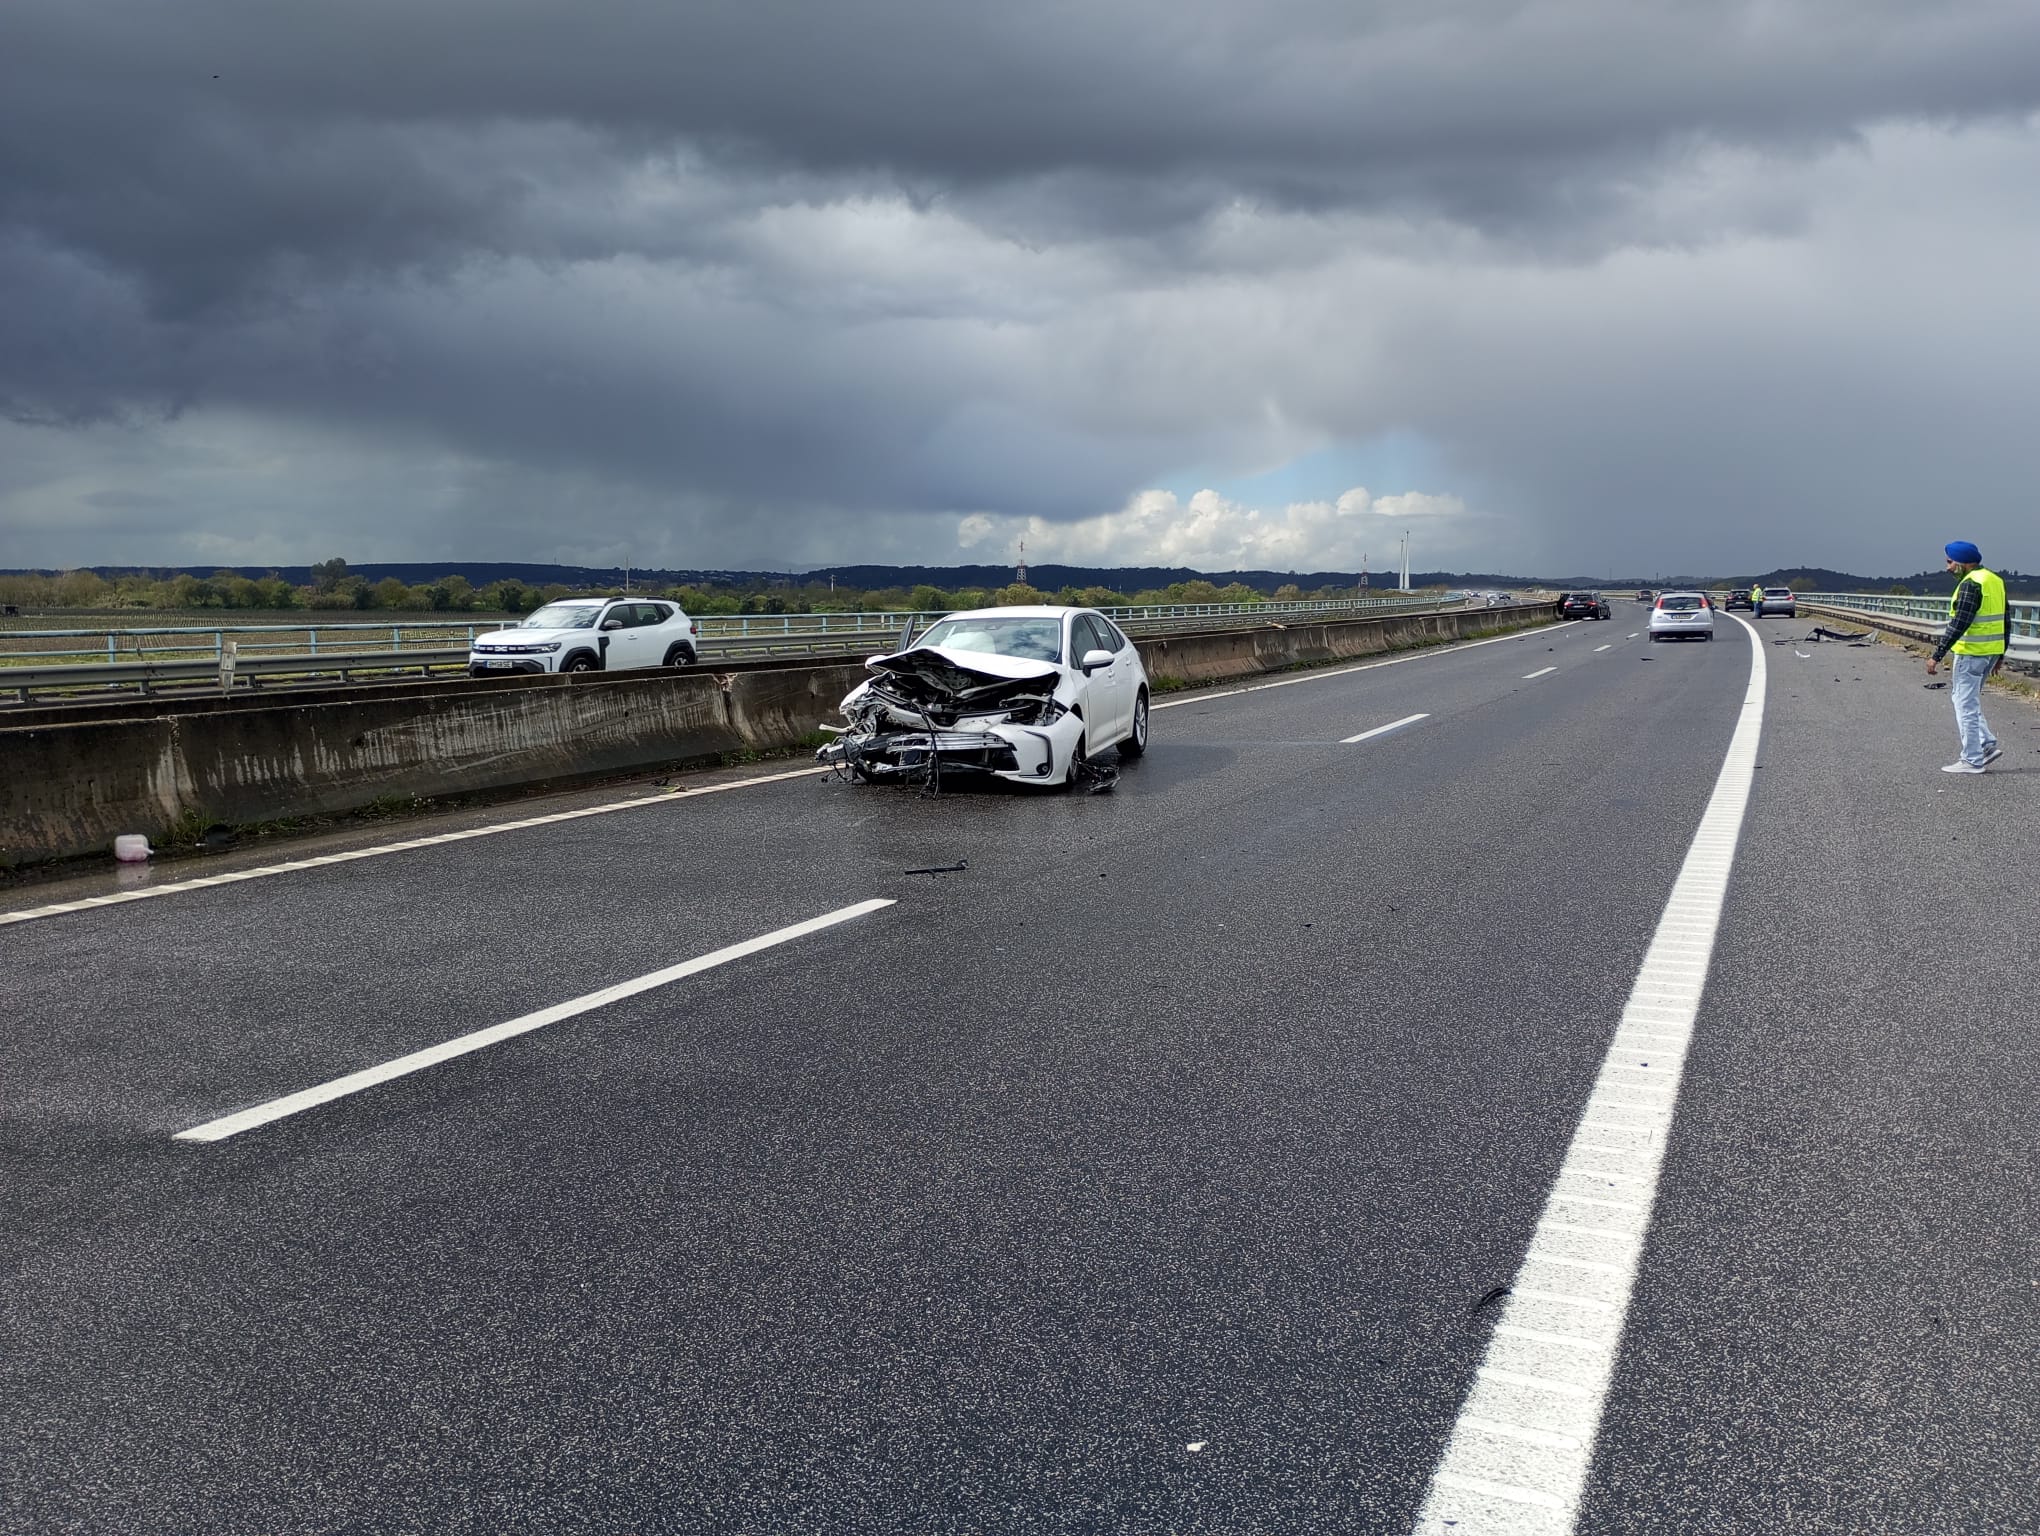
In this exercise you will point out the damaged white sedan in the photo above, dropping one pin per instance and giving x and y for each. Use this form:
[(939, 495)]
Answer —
[(1030, 695)]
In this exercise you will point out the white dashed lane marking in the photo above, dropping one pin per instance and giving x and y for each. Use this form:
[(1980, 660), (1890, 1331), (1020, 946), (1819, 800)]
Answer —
[(1383, 730), (1540, 672), (1519, 1454), (481, 1039)]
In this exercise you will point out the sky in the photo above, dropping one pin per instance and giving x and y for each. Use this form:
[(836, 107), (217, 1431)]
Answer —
[(1588, 286)]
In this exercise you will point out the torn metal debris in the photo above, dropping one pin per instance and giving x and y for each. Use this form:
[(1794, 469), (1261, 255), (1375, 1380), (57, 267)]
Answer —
[(929, 711)]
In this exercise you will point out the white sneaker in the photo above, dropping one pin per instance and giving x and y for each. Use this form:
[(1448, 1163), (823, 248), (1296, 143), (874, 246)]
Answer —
[(1958, 766), (1992, 753)]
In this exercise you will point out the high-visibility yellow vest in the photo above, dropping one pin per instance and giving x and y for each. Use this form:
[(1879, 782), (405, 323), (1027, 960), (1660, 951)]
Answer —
[(1756, 594), (1986, 633)]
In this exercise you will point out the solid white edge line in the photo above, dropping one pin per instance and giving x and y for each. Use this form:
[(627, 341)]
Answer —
[(1695, 904), (348, 856), (462, 1045), (1382, 730)]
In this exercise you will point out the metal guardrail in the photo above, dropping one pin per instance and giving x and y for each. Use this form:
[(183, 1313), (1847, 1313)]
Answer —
[(1930, 613), (735, 632), (123, 660), (144, 677)]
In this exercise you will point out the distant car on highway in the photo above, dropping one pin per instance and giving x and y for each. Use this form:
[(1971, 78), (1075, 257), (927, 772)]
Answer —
[(1739, 598), (1584, 605), (590, 634), (1778, 600), (1645, 595), (1682, 615)]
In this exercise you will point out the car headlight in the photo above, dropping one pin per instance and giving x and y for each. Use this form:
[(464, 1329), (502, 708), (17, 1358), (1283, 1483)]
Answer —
[(550, 645)]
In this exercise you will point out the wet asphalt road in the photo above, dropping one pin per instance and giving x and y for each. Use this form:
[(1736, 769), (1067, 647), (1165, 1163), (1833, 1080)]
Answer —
[(1200, 1113)]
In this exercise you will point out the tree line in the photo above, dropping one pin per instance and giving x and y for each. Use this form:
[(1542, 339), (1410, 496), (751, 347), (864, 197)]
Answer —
[(333, 589)]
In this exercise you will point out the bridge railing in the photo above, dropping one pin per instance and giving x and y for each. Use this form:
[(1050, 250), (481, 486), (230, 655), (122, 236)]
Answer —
[(149, 658), (720, 633)]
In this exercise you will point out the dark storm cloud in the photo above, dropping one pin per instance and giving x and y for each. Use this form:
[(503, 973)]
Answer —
[(193, 143), (563, 237)]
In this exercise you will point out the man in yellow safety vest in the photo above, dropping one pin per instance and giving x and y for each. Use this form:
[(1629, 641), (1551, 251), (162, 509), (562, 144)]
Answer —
[(1977, 633)]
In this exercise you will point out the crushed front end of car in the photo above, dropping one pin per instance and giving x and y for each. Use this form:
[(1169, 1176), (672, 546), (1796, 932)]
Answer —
[(929, 711)]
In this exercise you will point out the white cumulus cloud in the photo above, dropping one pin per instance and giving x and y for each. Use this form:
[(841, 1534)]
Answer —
[(1215, 533)]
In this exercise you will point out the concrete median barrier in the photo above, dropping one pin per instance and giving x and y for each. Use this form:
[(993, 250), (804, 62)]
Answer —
[(68, 787)]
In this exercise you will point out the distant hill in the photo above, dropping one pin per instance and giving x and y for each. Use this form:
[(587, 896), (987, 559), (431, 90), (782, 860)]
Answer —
[(1049, 578)]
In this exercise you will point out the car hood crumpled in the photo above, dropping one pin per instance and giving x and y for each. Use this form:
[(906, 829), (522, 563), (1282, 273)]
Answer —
[(968, 678)]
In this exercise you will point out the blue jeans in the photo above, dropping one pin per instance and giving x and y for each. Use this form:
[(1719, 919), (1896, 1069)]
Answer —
[(1977, 740)]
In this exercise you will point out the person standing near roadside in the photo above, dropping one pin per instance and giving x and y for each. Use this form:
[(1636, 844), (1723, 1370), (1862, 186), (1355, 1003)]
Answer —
[(1976, 633), (1757, 598)]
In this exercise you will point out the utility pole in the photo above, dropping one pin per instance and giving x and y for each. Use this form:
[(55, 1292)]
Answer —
[(1020, 571), (1405, 561)]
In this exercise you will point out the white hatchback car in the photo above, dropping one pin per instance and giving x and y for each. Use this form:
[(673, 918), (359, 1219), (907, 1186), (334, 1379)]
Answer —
[(590, 634), (1029, 695), (1682, 614)]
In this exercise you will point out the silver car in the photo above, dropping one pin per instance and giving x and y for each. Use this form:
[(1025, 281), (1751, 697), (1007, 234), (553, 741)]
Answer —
[(1778, 600), (1682, 614)]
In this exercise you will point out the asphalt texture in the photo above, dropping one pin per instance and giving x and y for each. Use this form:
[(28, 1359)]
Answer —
[(1203, 1113)]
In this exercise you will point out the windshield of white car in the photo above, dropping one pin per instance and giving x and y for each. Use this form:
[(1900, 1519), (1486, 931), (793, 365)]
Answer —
[(561, 616), (1028, 639), (1679, 604)]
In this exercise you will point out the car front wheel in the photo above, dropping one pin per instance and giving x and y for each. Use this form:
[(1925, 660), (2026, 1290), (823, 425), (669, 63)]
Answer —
[(679, 656), (579, 664), (1078, 761), (1137, 739)]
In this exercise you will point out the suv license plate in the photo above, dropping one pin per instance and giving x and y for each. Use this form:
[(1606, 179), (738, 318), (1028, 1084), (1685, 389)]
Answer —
[(495, 663)]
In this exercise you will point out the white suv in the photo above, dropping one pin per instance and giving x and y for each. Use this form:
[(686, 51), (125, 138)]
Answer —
[(590, 634)]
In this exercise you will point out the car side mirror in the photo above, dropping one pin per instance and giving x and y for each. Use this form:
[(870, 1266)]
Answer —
[(1094, 659), (612, 623)]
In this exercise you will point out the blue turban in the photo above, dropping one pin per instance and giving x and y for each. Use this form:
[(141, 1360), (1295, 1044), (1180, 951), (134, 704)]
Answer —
[(1965, 553)]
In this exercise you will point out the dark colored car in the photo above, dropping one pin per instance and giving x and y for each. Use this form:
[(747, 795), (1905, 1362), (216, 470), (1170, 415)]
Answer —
[(1584, 605), (1645, 595), (1738, 598)]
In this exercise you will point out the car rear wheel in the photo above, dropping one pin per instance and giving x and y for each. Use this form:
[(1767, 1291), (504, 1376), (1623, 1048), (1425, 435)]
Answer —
[(1137, 739)]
